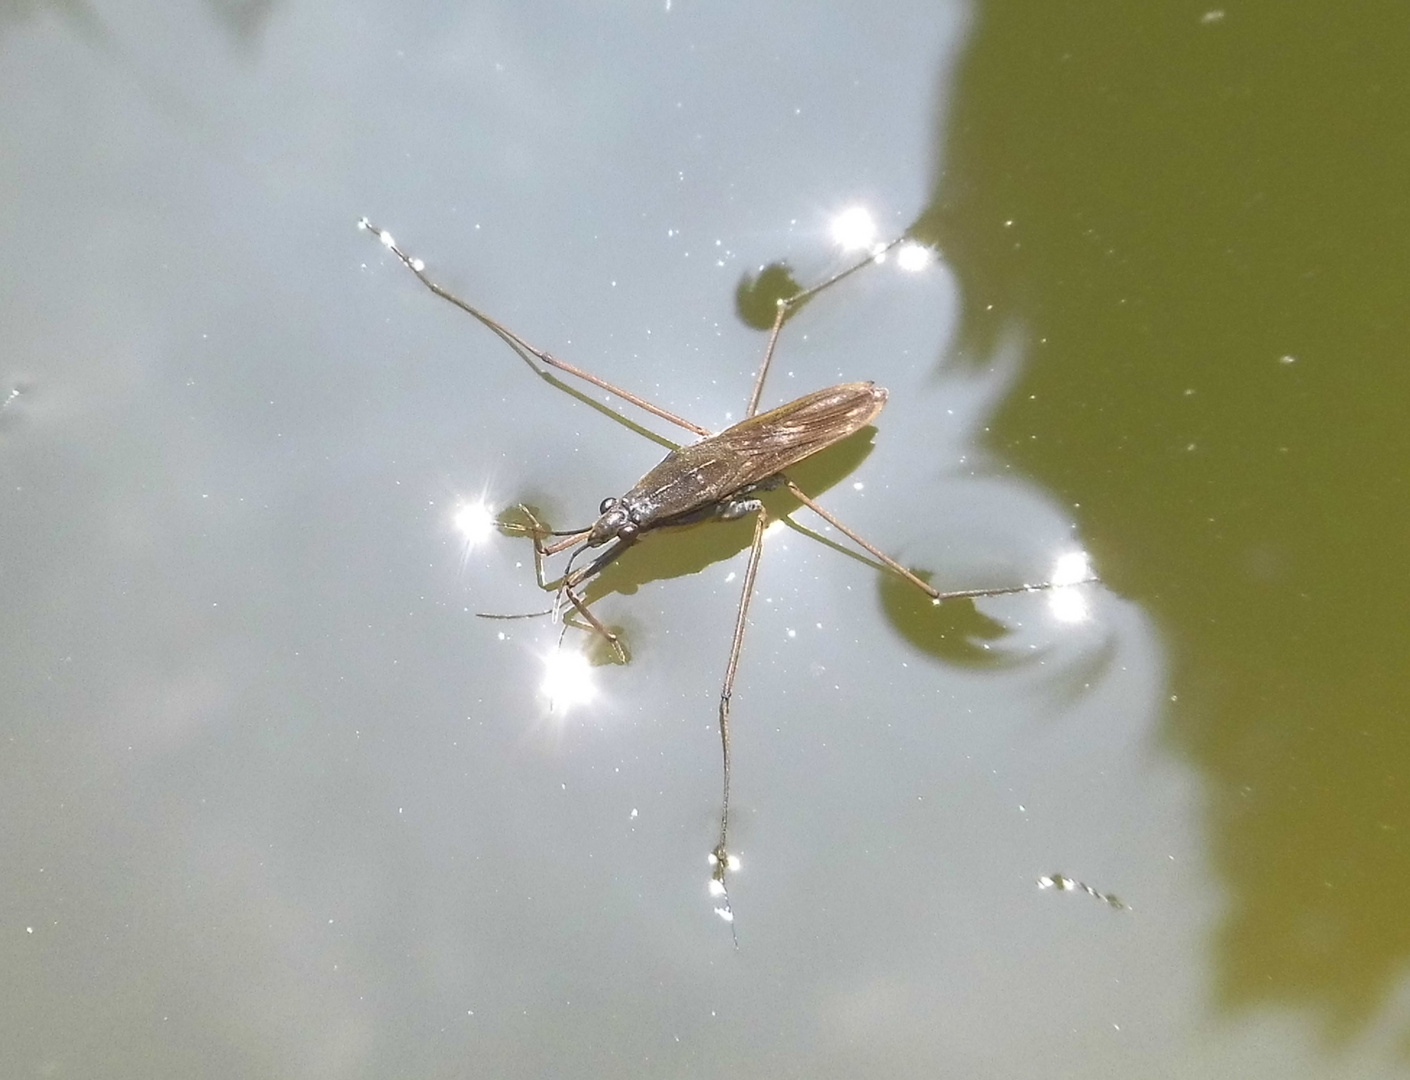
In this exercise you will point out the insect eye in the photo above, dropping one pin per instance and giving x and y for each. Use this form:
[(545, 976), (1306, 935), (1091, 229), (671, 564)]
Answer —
[(607, 505), (628, 532)]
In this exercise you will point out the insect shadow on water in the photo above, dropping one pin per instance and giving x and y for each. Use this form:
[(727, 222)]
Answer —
[(717, 478)]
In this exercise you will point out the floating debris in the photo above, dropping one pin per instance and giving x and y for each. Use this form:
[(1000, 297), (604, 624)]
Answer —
[(1063, 883)]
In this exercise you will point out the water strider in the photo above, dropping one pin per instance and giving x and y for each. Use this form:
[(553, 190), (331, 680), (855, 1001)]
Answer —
[(716, 478)]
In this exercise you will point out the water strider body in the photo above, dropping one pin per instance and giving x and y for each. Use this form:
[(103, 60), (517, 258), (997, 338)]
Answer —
[(714, 478), (708, 477)]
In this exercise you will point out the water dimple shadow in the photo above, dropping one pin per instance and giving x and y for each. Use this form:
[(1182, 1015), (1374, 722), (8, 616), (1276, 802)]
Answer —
[(954, 631)]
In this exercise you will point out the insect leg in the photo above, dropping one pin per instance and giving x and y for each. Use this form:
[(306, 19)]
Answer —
[(721, 857), (538, 532), (572, 579), (929, 590), (543, 551), (872, 549), (581, 606), (518, 344), (789, 304)]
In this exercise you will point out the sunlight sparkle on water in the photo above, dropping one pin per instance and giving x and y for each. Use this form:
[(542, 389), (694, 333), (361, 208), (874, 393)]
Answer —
[(567, 680), (1066, 603), (732, 864), (475, 522), (913, 257), (854, 229), (717, 887)]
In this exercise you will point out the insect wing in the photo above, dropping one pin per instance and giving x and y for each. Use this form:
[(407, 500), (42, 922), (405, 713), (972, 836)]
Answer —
[(753, 450), (781, 437)]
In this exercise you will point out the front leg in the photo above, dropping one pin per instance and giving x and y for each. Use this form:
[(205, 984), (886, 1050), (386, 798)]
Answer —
[(571, 580), (539, 533)]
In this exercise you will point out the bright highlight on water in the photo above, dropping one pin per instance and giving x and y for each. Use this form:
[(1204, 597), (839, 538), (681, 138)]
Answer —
[(475, 522), (854, 229), (567, 680), (1065, 602)]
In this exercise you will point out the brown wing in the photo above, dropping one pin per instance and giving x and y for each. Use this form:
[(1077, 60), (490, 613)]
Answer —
[(753, 450)]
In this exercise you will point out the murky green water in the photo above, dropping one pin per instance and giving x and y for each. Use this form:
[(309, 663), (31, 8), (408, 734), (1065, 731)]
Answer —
[(1204, 222)]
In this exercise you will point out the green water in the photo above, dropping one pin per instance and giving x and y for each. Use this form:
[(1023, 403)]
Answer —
[(1202, 220)]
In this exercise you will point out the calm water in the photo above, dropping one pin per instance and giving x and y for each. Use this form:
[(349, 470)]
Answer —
[(278, 803)]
